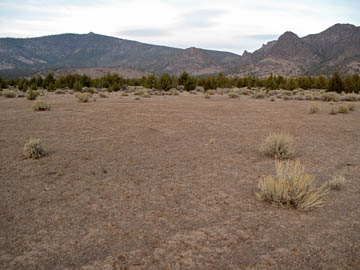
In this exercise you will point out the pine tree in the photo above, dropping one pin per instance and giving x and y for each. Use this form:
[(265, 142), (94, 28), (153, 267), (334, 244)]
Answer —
[(336, 83)]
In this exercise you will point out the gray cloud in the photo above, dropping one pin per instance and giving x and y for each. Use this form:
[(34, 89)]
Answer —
[(201, 18), (267, 37), (143, 32)]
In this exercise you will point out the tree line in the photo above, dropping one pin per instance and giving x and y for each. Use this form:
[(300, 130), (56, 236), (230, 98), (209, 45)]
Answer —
[(114, 82)]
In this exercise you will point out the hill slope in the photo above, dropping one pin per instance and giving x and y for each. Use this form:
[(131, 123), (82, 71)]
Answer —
[(337, 48)]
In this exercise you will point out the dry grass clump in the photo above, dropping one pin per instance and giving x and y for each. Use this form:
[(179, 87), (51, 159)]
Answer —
[(41, 106), (9, 93), (31, 94), (349, 97), (34, 149), (83, 97), (343, 108), (124, 94), (137, 98), (330, 96), (207, 96), (336, 183), (291, 187), (279, 146), (314, 107), (103, 95), (351, 107), (333, 111), (60, 92), (233, 95)]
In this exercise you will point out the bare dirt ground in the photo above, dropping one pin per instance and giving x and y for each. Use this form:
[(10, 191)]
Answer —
[(169, 183)]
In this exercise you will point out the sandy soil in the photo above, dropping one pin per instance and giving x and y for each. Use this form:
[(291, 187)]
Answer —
[(169, 183)]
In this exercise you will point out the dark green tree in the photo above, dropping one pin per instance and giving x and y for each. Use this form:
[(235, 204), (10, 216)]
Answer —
[(165, 82), (336, 83)]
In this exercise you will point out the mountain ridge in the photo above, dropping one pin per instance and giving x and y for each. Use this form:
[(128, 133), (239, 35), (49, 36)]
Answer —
[(336, 48)]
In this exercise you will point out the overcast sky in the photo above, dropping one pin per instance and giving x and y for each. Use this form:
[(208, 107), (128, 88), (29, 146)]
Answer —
[(228, 25)]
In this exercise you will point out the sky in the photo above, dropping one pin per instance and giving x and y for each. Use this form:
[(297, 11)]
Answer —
[(226, 25)]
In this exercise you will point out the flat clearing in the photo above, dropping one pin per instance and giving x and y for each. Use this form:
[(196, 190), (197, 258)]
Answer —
[(169, 183)]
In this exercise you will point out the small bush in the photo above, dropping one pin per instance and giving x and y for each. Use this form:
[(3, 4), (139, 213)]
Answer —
[(351, 107), (146, 95), (259, 96), (272, 99), (343, 108), (124, 94), (349, 97), (31, 94), (279, 146), (334, 111), (9, 93), (291, 187), (233, 95), (20, 94), (137, 98), (60, 92), (336, 183), (207, 96), (330, 96), (41, 106), (33, 149), (314, 107), (103, 95), (83, 97)]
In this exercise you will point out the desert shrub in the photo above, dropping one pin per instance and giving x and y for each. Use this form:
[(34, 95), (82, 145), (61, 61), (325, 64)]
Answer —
[(314, 107), (34, 149), (349, 97), (291, 187), (139, 92), (83, 97), (124, 94), (41, 106), (137, 98), (272, 99), (31, 94), (336, 183), (60, 92), (279, 146), (334, 111), (173, 92), (89, 90), (259, 95), (20, 94), (9, 93), (351, 107), (211, 92), (233, 95), (343, 108), (308, 97), (330, 96), (207, 96), (193, 92), (103, 95), (146, 95)]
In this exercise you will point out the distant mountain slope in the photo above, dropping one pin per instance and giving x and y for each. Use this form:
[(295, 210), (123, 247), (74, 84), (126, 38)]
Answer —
[(337, 48), (92, 50)]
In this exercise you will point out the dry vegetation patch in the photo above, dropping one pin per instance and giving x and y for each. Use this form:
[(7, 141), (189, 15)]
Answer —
[(291, 187)]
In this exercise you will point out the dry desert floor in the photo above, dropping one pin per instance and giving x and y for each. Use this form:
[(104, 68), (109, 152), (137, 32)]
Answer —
[(169, 183)]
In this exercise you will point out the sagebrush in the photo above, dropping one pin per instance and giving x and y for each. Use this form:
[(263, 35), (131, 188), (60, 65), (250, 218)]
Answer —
[(34, 149), (291, 187), (279, 146)]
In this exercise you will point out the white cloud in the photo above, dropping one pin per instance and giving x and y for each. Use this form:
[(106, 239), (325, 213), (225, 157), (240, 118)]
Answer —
[(233, 25)]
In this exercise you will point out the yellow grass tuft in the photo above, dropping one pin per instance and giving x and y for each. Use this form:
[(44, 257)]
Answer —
[(291, 187)]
